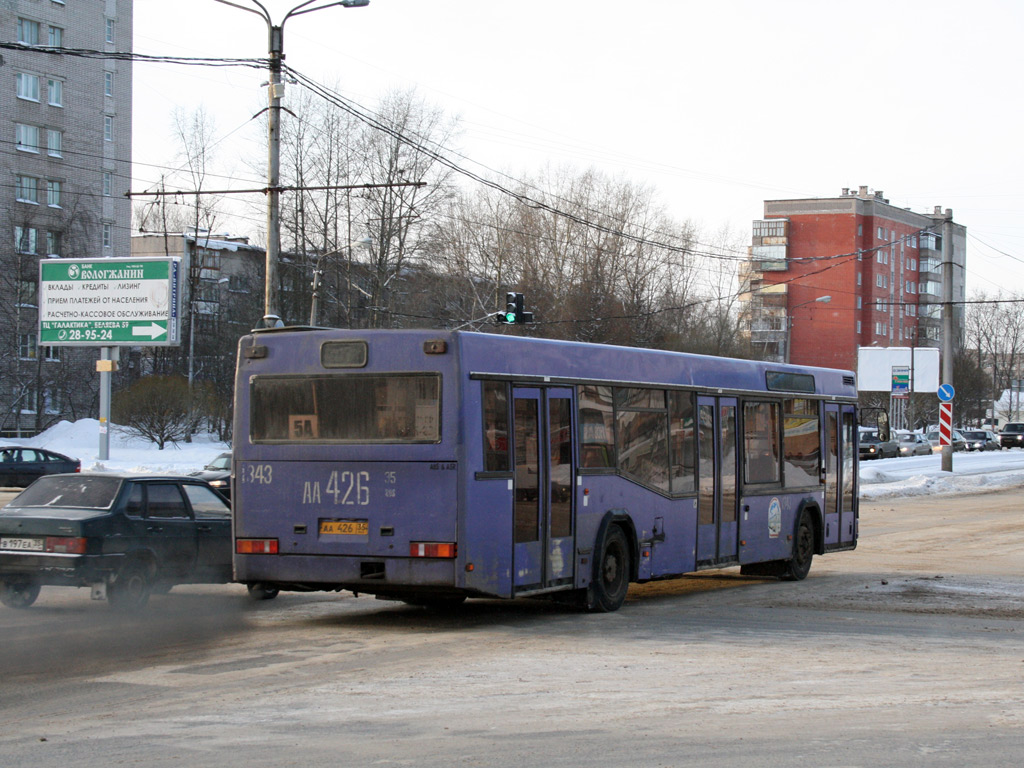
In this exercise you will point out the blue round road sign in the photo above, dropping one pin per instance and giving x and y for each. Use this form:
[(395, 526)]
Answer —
[(946, 393)]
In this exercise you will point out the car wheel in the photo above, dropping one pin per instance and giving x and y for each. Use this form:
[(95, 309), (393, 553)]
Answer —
[(130, 590), (262, 591), (19, 594)]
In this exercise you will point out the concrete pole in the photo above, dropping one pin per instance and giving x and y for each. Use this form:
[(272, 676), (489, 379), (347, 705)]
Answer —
[(274, 92), (105, 367), (948, 341)]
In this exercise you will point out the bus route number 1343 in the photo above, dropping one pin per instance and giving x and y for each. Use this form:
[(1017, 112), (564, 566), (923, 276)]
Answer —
[(256, 474)]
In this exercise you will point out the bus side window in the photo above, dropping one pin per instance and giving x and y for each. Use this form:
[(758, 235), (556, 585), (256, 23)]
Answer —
[(761, 442), (495, 408)]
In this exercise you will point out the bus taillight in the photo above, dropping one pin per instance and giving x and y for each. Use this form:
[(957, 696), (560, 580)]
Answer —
[(256, 546), (431, 549)]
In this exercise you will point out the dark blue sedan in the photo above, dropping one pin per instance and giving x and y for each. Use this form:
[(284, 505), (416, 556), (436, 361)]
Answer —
[(122, 536)]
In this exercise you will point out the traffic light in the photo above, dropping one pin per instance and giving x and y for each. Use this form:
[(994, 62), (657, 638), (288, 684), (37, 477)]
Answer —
[(514, 310)]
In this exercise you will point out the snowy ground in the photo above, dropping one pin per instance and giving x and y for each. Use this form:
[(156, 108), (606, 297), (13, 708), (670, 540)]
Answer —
[(879, 479)]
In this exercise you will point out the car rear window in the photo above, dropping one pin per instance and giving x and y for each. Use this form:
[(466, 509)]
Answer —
[(69, 491)]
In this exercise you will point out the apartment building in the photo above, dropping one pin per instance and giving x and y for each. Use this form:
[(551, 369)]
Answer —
[(65, 163), (829, 275)]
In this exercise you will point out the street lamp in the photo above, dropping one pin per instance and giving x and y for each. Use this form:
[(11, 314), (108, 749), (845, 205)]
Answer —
[(275, 91), (318, 271), (789, 319)]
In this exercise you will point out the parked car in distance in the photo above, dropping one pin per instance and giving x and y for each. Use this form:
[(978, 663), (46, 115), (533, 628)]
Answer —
[(980, 440), (958, 442), (19, 467), (872, 447), (913, 444), (1012, 435), (124, 536), (218, 474)]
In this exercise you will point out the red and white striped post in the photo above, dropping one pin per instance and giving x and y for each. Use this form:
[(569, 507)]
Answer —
[(945, 423)]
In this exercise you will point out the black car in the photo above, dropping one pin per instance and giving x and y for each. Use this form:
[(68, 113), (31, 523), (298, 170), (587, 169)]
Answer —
[(980, 440), (19, 467), (122, 535), (218, 474), (1012, 435), (872, 447)]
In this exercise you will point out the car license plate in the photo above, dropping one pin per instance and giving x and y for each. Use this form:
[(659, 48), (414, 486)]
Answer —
[(344, 527), (22, 545)]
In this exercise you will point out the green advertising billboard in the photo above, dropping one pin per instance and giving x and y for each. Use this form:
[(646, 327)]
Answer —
[(110, 302)]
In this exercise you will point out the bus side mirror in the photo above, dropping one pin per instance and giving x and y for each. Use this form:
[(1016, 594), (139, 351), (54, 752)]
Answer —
[(883, 426)]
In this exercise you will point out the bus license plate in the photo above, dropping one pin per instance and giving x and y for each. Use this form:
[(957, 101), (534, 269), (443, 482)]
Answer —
[(344, 527), (23, 545)]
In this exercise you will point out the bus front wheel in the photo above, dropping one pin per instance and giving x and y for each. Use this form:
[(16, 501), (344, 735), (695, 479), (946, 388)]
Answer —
[(611, 573), (799, 565)]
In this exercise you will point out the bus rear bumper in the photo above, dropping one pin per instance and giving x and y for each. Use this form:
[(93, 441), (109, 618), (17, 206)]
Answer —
[(372, 575)]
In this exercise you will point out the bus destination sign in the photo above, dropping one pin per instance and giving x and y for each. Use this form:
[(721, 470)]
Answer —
[(109, 302)]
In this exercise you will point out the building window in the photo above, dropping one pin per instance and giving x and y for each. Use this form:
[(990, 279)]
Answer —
[(107, 234), (51, 354), (110, 30), (28, 292), (28, 189), (27, 349), (108, 83), (25, 239), (53, 243), (56, 37), (858, 327), (26, 137), (55, 92), (108, 183), (108, 128), (54, 143), (28, 86), (878, 280), (28, 32), (860, 230), (858, 278), (53, 194), (860, 302)]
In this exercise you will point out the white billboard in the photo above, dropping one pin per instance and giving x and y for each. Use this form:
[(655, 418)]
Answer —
[(879, 367)]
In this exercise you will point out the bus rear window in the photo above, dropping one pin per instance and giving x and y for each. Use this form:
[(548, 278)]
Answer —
[(346, 408)]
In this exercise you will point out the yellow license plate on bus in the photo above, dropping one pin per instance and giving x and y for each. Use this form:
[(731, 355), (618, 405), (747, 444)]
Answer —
[(344, 527)]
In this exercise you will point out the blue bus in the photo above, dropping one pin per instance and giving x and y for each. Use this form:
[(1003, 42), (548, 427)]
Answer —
[(431, 466)]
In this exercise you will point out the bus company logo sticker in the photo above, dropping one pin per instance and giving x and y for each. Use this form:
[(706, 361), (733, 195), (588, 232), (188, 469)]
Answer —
[(774, 519)]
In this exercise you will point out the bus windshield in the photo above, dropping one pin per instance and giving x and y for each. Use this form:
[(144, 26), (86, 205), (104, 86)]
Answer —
[(347, 408)]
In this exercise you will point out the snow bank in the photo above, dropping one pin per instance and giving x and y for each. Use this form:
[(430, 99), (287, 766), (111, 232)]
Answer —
[(81, 440)]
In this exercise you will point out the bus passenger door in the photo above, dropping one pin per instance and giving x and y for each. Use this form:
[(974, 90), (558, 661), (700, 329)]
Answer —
[(543, 454), (834, 467), (848, 495), (717, 519)]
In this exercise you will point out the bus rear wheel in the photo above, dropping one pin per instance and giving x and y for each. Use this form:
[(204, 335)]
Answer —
[(611, 573), (799, 565)]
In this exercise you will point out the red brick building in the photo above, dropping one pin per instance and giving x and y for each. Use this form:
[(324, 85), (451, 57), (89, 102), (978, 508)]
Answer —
[(829, 275)]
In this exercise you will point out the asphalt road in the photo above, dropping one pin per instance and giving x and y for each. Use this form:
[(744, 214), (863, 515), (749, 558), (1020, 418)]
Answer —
[(906, 652)]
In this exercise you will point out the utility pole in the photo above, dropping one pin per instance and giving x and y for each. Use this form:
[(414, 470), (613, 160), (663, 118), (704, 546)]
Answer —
[(275, 91), (947, 319)]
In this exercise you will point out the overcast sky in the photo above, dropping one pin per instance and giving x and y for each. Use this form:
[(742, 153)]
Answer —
[(717, 105)]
